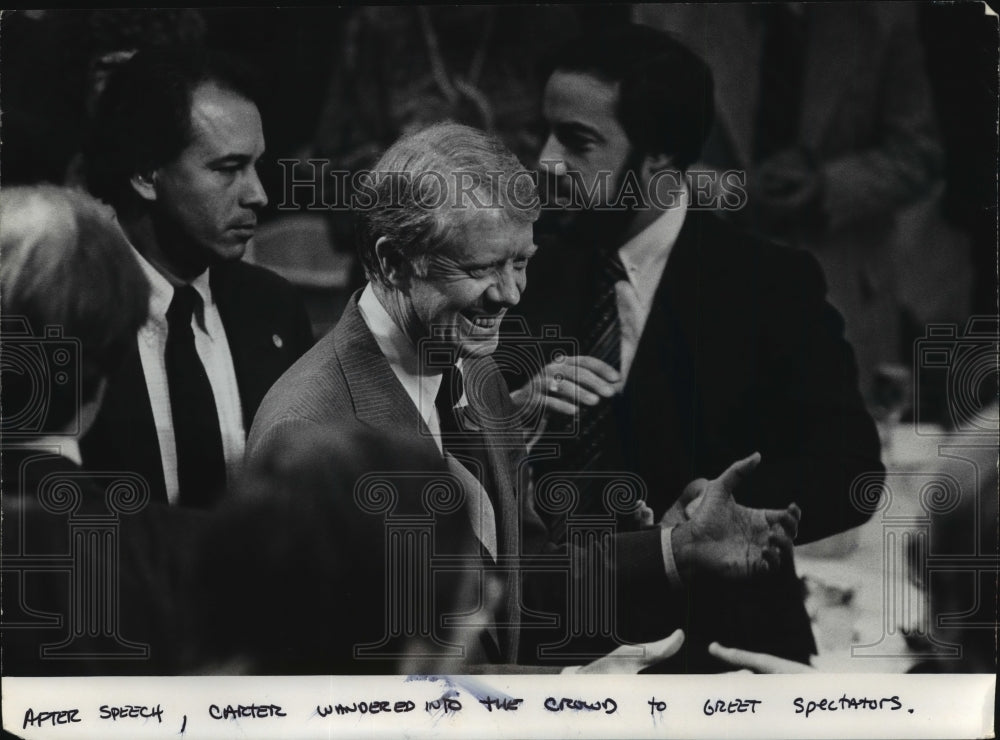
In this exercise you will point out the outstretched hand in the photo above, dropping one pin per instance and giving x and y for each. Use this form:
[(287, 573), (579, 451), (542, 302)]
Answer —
[(633, 658), (757, 662), (726, 539)]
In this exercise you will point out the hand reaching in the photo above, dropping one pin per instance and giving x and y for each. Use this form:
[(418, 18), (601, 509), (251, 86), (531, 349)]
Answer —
[(728, 540), (628, 659), (757, 662)]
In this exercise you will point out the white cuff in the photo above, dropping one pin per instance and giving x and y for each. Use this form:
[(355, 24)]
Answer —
[(666, 543)]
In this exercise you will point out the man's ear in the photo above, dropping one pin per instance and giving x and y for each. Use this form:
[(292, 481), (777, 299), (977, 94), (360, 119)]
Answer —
[(144, 184), (394, 265)]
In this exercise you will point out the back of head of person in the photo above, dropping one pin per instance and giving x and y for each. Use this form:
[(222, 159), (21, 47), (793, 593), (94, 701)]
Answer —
[(73, 298), (292, 573)]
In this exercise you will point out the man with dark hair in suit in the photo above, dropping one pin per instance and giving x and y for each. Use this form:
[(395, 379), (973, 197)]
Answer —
[(446, 237), (175, 142), (827, 110), (699, 344)]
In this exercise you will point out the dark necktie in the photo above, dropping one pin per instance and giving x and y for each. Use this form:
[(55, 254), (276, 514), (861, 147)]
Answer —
[(458, 437), (602, 339), (201, 465), (468, 446), (602, 336), (782, 61)]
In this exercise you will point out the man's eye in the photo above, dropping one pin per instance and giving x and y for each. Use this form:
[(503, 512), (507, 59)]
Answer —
[(521, 263), (576, 143), (480, 272)]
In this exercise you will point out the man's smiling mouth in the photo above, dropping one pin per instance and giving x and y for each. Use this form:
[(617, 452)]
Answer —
[(484, 321)]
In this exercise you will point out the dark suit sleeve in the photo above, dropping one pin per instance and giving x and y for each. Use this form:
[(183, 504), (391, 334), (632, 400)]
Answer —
[(815, 436)]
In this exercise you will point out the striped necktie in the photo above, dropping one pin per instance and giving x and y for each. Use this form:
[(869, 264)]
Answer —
[(602, 339)]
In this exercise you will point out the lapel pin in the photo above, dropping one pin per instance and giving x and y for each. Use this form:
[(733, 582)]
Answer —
[(278, 341)]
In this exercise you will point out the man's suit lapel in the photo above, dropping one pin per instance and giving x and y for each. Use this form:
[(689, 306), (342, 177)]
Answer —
[(255, 343), (242, 337), (379, 398), (499, 451)]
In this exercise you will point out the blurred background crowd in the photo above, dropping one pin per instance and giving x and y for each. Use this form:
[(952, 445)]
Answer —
[(888, 178), (898, 114)]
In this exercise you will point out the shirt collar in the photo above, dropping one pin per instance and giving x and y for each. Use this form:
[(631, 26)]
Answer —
[(162, 290), (650, 248), (60, 444), (400, 353)]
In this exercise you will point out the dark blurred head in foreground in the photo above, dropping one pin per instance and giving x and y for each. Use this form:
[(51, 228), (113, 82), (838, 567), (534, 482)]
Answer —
[(293, 570)]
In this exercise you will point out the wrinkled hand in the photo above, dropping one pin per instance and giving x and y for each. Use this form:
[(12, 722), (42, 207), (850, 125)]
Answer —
[(627, 659), (757, 662), (564, 385), (726, 539)]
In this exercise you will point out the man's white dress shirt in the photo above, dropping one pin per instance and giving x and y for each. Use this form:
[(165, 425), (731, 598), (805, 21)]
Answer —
[(213, 350), (644, 256)]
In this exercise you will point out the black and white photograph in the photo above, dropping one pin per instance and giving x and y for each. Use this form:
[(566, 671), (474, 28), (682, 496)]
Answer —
[(591, 370)]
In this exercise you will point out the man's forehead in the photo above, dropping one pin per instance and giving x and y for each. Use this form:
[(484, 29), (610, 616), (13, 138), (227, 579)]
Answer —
[(224, 121), (567, 92), (491, 234)]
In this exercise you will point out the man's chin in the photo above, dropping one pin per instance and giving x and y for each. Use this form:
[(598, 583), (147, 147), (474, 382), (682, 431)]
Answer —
[(229, 252)]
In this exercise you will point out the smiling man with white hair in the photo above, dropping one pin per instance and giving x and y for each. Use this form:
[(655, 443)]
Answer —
[(445, 237)]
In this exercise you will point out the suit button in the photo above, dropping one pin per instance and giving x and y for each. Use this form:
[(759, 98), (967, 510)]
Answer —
[(278, 341)]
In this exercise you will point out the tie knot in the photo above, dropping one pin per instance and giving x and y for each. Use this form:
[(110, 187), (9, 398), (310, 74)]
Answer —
[(185, 304), (613, 267)]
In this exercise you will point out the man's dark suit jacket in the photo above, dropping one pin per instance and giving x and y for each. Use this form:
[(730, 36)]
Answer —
[(740, 353), (267, 329), (345, 376)]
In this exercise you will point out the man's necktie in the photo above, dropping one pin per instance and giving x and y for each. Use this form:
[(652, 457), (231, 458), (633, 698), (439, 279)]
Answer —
[(201, 464), (457, 437), (468, 446), (782, 62), (602, 339), (602, 333)]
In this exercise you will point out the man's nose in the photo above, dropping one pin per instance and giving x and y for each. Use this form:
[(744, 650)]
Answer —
[(253, 192), (506, 288), (552, 159)]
